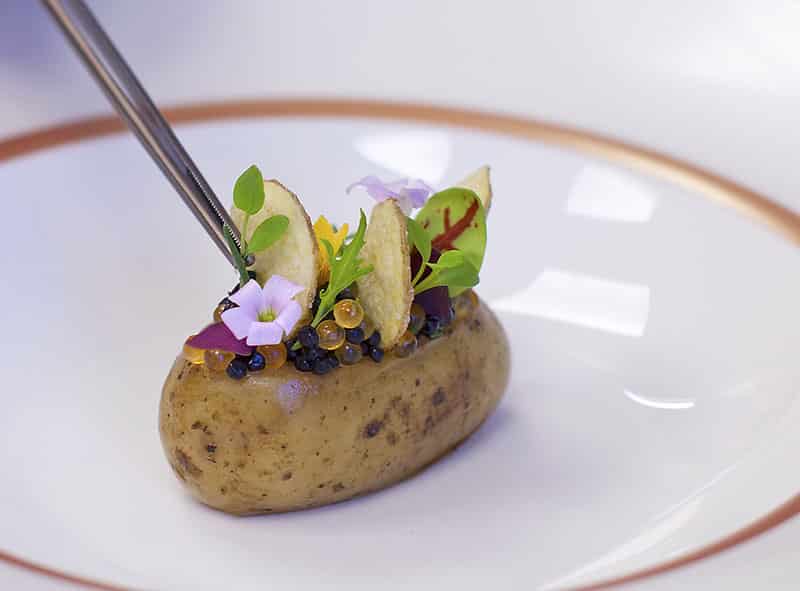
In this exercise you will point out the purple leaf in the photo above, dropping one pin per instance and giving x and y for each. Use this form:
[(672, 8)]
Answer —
[(435, 301), (219, 336)]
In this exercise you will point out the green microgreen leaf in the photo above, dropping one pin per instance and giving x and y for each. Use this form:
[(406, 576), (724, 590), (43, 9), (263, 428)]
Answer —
[(267, 233), (328, 248), (248, 192), (456, 220), (419, 239), (345, 269), (238, 259), (450, 259), (454, 269)]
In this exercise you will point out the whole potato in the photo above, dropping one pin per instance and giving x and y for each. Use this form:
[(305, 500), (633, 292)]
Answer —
[(285, 440)]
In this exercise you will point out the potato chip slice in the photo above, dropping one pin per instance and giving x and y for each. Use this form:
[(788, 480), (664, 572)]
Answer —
[(386, 293), (295, 255), (479, 182)]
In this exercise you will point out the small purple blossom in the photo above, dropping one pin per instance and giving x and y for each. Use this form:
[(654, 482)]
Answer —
[(265, 314), (409, 193)]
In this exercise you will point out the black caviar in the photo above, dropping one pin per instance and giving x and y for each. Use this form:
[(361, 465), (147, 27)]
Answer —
[(308, 336), (376, 354), (313, 353), (374, 339), (354, 335), (257, 362), (322, 366), (237, 368), (301, 363)]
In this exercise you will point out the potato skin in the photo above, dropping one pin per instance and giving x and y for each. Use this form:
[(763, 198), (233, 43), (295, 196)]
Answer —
[(286, 440)]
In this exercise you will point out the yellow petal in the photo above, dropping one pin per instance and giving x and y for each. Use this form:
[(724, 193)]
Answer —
[(324, 231)]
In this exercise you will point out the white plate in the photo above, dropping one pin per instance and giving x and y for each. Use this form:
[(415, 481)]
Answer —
[(653, 402)]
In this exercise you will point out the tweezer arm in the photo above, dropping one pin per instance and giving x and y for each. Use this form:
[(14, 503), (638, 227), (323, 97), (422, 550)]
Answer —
[(129, 97)]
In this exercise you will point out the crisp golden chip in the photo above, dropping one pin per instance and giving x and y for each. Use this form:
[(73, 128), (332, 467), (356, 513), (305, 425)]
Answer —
[(478, 181), (386, 293), (295, 255)]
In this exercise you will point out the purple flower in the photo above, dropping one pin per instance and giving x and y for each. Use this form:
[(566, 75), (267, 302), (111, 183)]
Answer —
[(409, 193), (264, 314)]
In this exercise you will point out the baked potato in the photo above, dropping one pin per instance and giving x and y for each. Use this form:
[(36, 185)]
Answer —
[(284, 440)]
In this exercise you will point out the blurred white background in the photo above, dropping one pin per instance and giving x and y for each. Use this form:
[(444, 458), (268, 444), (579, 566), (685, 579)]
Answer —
[(716, 83)]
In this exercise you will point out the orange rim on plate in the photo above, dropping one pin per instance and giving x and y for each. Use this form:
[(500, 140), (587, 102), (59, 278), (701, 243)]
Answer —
[(751, 204)]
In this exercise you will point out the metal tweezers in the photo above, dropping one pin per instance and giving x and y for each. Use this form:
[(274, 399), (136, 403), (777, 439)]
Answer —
[(134, 105)]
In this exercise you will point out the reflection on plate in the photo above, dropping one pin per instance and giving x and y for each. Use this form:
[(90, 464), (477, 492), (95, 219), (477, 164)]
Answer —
[(653, 335)]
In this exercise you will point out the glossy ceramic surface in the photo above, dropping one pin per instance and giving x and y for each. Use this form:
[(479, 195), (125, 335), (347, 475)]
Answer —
[(650, 414)]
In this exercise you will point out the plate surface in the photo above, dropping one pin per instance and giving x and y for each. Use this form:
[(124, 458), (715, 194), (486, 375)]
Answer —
[(650, 414)]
